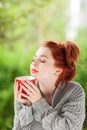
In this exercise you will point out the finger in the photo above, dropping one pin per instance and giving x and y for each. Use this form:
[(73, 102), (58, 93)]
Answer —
[(34, 86), (24, 88), (30, 83), (24, 97), (28, 86), (16, 86), (15, 89), (31, 88), (25, 84), (30, 92), (20, 90), (21, 96)]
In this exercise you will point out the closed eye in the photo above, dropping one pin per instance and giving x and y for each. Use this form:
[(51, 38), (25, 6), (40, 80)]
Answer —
[(33, 59), (43, 61)]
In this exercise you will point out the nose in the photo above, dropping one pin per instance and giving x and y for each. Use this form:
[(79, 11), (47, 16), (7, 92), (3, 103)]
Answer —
[(36, 62)]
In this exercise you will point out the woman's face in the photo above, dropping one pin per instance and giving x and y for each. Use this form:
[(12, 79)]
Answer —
[(43, 65)]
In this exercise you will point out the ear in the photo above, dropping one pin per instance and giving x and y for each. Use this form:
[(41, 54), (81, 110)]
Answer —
[(59, 71)]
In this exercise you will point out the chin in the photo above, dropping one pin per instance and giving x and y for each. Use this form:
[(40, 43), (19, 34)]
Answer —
[(32, 74), (36, 77)]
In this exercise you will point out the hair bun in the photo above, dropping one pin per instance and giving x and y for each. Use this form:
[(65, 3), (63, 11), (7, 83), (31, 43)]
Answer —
[(71, 52)]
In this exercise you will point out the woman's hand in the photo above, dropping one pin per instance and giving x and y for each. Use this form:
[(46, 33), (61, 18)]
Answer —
[(32, 90), (19, 96)]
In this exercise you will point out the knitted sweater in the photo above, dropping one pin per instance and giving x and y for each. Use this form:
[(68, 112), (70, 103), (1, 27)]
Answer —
[(67, 111)]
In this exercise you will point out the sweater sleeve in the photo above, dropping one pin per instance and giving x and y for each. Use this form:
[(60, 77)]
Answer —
[(71, 117), (23, 116)]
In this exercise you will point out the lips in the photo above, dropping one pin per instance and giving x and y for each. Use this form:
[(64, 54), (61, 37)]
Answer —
[(34, 71)]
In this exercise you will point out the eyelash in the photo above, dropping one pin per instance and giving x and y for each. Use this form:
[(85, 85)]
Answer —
[(32, 60), (42, 61)]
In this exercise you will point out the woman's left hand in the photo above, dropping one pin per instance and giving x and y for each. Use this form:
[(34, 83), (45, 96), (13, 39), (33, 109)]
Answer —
[(33, 92)]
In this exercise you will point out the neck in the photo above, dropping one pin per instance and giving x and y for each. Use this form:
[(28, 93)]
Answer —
[(47, 91)]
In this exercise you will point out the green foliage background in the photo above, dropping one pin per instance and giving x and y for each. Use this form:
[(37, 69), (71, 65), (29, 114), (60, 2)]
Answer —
[(24, 25)]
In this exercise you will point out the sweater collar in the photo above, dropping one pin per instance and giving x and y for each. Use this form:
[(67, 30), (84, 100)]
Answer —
[(58, 93)]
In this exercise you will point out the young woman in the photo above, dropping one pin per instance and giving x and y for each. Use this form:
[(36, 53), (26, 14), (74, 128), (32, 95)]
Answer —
[(54, 102)]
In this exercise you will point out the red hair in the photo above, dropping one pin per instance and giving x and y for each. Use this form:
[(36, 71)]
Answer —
[(65, 56)]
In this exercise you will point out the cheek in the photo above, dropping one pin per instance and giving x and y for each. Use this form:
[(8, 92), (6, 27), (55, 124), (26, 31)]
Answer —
[(44, 69), (47, 71)]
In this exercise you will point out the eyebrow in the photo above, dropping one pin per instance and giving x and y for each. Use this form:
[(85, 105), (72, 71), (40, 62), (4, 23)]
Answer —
[(42, 56)]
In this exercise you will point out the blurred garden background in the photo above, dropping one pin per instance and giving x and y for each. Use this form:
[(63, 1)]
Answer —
[(24, 25)]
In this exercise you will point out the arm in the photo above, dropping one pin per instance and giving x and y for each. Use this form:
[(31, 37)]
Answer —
[(23, 114), (17, 107), (71, 117), (23, 117)]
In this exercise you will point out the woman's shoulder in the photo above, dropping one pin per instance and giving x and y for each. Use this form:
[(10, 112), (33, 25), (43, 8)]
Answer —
[(68, 91), (75, 85), (70, 87), (76, 88)]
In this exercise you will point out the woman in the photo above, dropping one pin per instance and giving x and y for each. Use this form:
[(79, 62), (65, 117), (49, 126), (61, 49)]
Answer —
[(54, 102)]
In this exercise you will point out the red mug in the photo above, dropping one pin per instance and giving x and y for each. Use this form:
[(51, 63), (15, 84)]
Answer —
[(24, 78)]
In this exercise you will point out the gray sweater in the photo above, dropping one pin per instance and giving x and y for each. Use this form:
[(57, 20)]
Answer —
[(67, 111)]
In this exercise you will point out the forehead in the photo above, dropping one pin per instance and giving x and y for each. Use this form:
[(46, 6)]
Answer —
[(44, 51)]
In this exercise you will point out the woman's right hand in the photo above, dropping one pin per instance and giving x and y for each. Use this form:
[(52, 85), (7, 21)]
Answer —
[(19, 96)]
